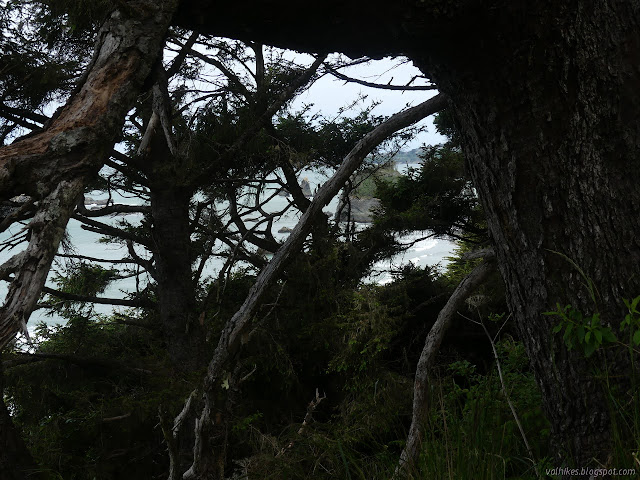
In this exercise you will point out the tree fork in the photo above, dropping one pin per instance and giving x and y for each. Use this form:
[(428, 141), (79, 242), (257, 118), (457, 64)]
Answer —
[(55, 164)]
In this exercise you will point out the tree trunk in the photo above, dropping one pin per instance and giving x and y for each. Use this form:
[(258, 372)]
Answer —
[(53, 166), (171, 191), (176, 290), (547, 104)]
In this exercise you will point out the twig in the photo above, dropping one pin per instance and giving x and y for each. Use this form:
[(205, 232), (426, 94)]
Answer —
[(313, 404)]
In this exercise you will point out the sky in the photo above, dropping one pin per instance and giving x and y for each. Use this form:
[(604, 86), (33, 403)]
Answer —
[(329, 94)]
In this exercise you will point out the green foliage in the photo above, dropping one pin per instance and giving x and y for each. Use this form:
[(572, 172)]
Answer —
[(327, 141), (82, 279), (87, 401), (43, 46), (438, 197), (582, 331), (471, 433), (587, 333), (632, 321)]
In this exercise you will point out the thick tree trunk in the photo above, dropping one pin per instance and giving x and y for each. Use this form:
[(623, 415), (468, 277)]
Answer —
[(183, 333), (547, 104), (54, 165)]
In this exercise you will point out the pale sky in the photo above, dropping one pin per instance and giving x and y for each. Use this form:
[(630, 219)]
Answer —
[(329, 94)]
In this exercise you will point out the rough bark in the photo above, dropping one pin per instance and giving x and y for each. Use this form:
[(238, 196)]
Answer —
[(183, 333), (546, 98), (411, 452), (547, 105), (236, 331), (53, 166), (171, 246)]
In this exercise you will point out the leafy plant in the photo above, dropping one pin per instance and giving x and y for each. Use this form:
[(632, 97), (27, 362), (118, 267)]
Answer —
[(584, 332), (632, 320)]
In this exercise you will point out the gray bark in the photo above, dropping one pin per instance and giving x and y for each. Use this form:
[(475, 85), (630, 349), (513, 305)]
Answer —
[(411, 452)]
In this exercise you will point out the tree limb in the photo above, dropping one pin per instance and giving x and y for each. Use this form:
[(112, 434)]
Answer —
[(348, 79), (233, 332), (54, 165), (411, 450), (103, 301), (24, 358)]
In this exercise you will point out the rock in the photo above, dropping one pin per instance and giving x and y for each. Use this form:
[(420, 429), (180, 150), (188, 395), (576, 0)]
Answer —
[(360, 209), (91, 201), (285, 230), (306, 187), (13, 205)]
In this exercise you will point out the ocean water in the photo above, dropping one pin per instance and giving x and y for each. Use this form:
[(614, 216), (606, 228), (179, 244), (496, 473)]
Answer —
[(425, 251)]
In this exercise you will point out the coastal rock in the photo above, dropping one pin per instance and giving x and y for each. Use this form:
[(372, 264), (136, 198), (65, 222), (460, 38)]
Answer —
[(90, 201), (285, 230), (361, 209), (306, 187)]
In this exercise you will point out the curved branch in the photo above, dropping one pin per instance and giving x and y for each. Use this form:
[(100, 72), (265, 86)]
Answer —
[(411, 450), (237, 327)]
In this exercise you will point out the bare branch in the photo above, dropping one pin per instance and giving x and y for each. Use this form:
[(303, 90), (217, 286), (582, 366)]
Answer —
[(111, 210), (236, 328), (103, 301), (411, 450), (348, 79), (85, 362), (182, 55), (486, 253), (93, 259), (104, 229)]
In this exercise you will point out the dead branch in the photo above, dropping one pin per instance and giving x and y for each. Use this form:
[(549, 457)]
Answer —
[(85, 362), (313, 404), (485, 253), (111, 210), (115, 419), (381, 86), (236, 327), (93, 259), (411, 450)]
